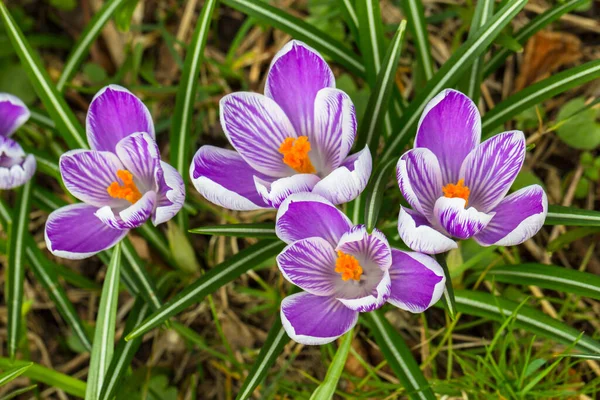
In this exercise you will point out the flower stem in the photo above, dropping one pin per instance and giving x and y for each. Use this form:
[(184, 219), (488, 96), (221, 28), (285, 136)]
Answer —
[(448, 290)]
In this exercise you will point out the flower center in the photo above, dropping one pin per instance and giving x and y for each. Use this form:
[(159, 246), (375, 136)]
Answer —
[(459, 189), (295, 154), (127, 191), (348, 267)]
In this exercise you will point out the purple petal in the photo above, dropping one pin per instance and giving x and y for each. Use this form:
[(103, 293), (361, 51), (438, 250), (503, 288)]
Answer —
[(518, 217), (416, 232), (312, 320), (420, 179), (87, 174), (13, 114), (296, 75), (347, 181), (16, 167), (275, 192), (256, 127), (224, 178), (306, 215), (171, 193), (74, 232), (134, 216), (490, 169), (417, 281), (310, 264), (335, 129), (140, 155), (115, 113), (458, 221), (450, 127)]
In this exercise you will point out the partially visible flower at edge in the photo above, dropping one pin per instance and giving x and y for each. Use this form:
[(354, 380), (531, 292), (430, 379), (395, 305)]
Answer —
[(457, 186), (344, 270), (16, 167), (294, 138), (122, 181)]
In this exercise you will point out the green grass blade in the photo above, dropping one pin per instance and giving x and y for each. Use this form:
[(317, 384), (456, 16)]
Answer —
[(16, 267), (534, 26), (211, 281), (300, 30), (417, 26), (48, 376), (374, 193), (16, 393), (570, 216), (549, 277), (263, 230), (157, 240), (371, 39), (349, 12), (326, 389), (140, 275), (186, 95), (398, 356), (474, 76), (104, 335), (496, 308), (371, 126), (538, 92), (449, 74), (270, 350), (55, 104), (448, 296), (13, 373), (85, 41)]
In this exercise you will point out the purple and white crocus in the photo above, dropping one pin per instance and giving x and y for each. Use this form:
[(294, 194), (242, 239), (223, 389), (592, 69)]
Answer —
[(457, 186), (16, 167), (294, 138), (344, 270), (122, 181)]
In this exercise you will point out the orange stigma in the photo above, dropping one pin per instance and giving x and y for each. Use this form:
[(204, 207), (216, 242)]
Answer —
[(127, 191), (295, 154), (348, 267), (459, 190)]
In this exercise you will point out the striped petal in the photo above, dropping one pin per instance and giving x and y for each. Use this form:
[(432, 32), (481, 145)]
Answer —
[(171, 193), (275, 192), (134, 216), (140, 155), (418, 234), (458, 221), (13, 114)]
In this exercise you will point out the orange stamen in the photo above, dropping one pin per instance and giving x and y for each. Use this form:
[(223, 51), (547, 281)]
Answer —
[(459, 190), (127, 191), (295, 154), (348, 267)]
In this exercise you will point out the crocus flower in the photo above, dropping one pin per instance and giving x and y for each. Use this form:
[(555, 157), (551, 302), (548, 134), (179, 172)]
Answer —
[(457, 186), (121, 181), (294, 138), (16, 167), (344, 270)]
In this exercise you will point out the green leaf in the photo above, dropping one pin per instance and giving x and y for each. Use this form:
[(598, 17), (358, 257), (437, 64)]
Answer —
[(63, 117), (371, 37), (13, 373), (263, 230), (84, 43), (48, 376), (182, 250), (549, 277), (448, 296), (104, 336), (186, 94), (124, 13), (372, 122), (449, 74), (300, 30), (136, 268), (509, 42), (398, 356), (16, 267), (417, 25), (349, 12), (570, 216), (578, 127), (374, 193), (538, 92), (15, 393), (211, 281), (326, 389), (571, 236), (498, 309), (534, 26), (269, 351)]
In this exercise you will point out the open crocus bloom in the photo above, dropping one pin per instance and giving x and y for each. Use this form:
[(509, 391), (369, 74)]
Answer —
[(294, 138), (16, 167), (456, 185), (121, 181), (344, 270)]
